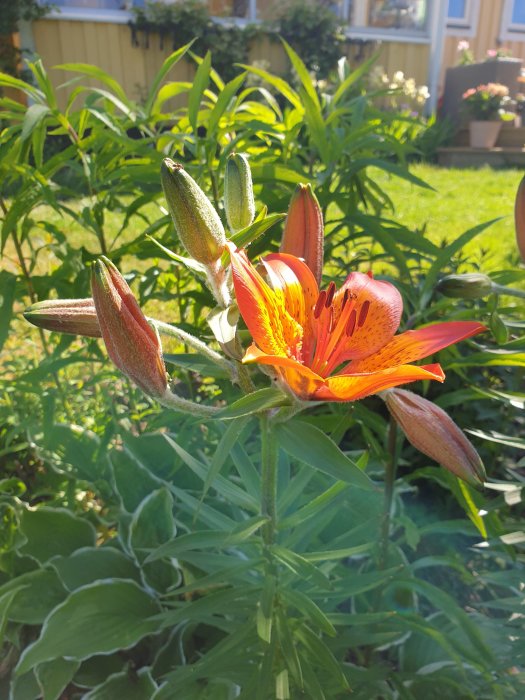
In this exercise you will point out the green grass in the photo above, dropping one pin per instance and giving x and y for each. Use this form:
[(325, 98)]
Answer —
[(460, 200)]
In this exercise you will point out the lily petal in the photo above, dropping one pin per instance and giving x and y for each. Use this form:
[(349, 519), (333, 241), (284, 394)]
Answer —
[(301, 379), (353, 387), (415, 345), (271, 326), (376, 314)]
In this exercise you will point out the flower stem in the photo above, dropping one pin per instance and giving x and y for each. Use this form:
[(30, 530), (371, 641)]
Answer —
[(508, 291), (390, 478), (269, 456), (171, 400), (192, 341)]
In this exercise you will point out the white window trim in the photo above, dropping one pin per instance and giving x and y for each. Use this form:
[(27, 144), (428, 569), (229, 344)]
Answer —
[(360, 30), (509, 31), (468, 25)]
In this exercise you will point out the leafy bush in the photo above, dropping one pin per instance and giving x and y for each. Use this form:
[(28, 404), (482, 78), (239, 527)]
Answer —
[(132, 559)]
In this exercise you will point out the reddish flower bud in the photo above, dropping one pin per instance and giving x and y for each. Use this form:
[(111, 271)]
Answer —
[(75, 316), (519, 218), (435, 434), (132, 343), (303, 231)]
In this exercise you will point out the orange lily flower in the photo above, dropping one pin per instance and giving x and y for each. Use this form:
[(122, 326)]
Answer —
[(333, 345)]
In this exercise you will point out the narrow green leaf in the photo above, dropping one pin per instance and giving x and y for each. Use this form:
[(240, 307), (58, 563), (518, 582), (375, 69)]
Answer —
[(471, 509), (229, 490), (288, 647), (7, 298), (260, 400), (445, 256), (33, 117), (310, 445), (200, 82), (303, 74), (208, 539), (300, 566), (98, 74), (162, 73), (314, 507), (358, 73), (101, 618), (222, 453), (309, 609), (279, 84), (225, 95), (249, 234)]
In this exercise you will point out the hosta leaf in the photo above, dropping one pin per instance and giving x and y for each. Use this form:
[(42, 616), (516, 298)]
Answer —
[(98, 619)]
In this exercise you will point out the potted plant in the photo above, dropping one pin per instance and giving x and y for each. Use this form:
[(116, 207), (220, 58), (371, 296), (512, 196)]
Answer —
[(486, 105)]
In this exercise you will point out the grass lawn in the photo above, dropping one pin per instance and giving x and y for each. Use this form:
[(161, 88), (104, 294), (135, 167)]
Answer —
[(461, 200)]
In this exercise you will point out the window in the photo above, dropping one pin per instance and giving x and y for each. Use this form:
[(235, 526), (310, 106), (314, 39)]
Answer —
[(518, 12), (398, 14), (513, 20), (457, 9), (462, 17)]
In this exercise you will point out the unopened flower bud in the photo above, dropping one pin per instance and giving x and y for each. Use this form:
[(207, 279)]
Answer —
[(196, 221), (434, 433), (519, 218), (303, 231), (472, 285), (239, 203), (131, 342), (75, 316)]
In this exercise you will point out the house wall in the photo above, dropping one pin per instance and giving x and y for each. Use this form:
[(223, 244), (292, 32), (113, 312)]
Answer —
[(486, 37)]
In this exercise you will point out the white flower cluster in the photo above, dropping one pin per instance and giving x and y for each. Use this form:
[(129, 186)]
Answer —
[(404, 93)]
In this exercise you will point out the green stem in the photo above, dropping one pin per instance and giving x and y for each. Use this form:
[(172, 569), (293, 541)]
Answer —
[(269, 456), (193, 342), (171, 400), (390, 478), (508, 291)]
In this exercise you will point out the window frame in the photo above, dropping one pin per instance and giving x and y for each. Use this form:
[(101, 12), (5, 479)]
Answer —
[(467, 25), (359, 28), (510, 31)]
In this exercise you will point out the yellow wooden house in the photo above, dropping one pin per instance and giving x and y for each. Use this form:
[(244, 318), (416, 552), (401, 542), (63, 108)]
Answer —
[(418, 37)]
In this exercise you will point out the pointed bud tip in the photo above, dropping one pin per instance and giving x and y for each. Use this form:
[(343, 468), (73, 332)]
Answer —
[(433, 432)]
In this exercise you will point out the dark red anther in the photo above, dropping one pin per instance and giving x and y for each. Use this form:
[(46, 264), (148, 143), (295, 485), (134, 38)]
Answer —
[(330, 294), (319, 305), (350, 325), (363, 313)]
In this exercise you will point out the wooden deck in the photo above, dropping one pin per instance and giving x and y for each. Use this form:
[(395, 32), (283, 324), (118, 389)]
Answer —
[(509, 151), (466, 157)]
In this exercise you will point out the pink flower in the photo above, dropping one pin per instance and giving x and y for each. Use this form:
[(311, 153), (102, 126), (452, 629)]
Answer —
[(463, 45)]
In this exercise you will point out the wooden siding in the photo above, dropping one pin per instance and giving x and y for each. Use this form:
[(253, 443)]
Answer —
[(109, 46), (487, 37), (412, 59)]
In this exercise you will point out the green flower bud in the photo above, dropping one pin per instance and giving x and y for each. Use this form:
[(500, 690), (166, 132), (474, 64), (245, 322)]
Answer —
[(473, 285), (238, 192), (196, 221)]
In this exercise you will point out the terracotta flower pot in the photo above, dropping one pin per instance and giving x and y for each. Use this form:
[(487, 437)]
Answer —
[(484, 134)]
